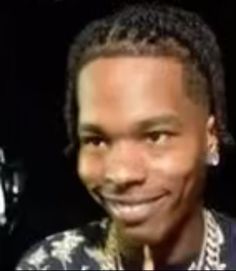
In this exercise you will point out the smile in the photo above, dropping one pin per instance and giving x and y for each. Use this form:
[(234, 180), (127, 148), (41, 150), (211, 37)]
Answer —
[(132, 211)]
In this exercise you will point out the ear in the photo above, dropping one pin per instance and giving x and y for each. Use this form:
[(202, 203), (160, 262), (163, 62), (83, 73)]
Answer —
[(212, 138), (213, 156)]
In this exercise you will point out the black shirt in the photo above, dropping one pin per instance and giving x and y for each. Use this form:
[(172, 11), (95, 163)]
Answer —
[(84, 249)]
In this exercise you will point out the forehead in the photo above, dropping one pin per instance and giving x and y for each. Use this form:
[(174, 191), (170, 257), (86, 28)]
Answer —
[(130, 88), (115, 70)]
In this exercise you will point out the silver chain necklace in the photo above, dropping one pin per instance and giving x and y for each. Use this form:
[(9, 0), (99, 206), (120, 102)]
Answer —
[(209, 258)]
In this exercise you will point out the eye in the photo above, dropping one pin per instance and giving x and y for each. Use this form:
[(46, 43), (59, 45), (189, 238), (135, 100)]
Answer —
[(158, 137), (93, 141)]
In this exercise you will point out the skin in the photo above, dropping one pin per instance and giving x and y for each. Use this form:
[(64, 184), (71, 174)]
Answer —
[(141, 137)]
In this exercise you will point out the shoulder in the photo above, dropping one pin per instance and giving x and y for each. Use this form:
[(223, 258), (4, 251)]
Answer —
[(66, 250), (228, 226), (227, 223)]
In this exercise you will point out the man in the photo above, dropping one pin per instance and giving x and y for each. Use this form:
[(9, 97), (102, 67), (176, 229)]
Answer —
[(145, 112)]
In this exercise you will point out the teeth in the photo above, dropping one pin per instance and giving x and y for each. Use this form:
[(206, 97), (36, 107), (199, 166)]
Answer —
[(118, 208)]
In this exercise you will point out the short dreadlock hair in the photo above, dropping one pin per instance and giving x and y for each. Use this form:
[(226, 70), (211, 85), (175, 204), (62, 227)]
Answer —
[(153, 30)]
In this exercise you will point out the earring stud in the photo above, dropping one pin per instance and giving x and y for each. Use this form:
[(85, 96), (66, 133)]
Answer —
[(213, 158)]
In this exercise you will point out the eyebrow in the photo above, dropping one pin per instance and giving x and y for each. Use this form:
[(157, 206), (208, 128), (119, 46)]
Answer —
[(142, 125), (90, 128), (170, 120)]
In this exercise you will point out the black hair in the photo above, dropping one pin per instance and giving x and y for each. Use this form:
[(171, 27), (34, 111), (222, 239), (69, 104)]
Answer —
[(153, 30)]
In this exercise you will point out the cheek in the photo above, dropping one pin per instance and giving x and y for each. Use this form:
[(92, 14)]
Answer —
[(90, 170), (179, 172)]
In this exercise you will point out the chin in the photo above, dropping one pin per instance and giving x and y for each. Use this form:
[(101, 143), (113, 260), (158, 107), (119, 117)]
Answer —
[(145, 234)]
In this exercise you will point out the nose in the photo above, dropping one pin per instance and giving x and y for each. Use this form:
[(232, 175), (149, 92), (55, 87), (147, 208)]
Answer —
[(125, 165)]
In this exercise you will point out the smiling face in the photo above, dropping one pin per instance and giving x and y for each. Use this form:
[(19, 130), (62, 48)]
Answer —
[(143, 143)]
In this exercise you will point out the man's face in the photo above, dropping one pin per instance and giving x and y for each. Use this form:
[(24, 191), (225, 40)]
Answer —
[(143, 142)]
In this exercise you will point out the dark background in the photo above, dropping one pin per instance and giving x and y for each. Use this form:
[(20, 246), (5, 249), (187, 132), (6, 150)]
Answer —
[(34, 39)]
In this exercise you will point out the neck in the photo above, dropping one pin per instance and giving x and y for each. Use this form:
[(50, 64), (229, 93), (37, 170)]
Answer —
[(184, 243)]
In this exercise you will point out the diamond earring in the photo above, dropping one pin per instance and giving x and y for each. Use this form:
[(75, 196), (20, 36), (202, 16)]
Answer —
[(213, 158)]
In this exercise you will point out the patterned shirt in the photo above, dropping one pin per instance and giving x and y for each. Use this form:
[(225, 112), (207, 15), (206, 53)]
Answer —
[(83, 249)]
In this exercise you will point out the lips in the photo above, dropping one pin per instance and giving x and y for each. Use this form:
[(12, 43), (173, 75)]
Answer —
[(132, 210)]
